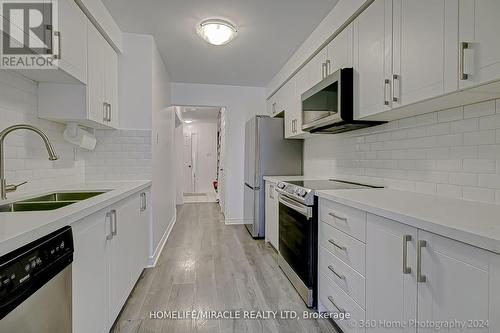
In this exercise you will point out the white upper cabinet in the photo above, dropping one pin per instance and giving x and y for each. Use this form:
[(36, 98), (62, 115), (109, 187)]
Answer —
[(69, 44), (340, 51), (373, 59), (316, 68), (424, 55), (478, 27), (94, 104)]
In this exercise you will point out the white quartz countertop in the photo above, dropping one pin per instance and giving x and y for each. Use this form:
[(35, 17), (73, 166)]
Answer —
[(20, 228), (474, 223), (285, 178)]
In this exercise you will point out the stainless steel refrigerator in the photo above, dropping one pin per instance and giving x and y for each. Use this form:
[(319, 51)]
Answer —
[(267, 153)]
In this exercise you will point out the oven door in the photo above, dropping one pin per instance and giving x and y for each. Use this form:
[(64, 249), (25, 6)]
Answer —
[(297, 246)]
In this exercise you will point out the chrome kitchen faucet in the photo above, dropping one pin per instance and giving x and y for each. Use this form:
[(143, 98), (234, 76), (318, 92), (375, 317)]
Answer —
[(4, 188)]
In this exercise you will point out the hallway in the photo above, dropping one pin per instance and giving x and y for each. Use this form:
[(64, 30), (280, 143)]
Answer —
[(207, 265)]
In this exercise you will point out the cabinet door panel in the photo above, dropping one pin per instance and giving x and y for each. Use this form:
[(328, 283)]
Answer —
[(73, 39), (96, 75), (479, 25), (372, 58), (90, 274), (315, 68), (391, 295), (419, 49), (457, 282), (340, 52)]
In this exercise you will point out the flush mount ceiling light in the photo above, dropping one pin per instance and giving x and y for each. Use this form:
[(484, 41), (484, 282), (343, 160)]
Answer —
[(188, 121), (216, 31)]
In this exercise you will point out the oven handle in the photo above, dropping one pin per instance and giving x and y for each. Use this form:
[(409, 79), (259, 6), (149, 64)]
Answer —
[(296, 206)]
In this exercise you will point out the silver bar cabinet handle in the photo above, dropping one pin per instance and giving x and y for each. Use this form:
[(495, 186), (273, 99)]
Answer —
[(115, 224), (328, 66), (463, 47), (340, 276), (104, 111), (332, 214), (110, 111), (406, 239), (420, 276), (332, 300), (59, 42), (323, 70), (341, 247), (396, 83), (387, 83), (110, 219)]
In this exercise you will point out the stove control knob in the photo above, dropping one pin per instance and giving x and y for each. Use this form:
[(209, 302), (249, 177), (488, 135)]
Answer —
[(281, 186), (302, 192)]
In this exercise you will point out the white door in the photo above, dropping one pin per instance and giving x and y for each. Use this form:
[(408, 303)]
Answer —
[(96, 90), (373, 59), (420, 50), (188, 164), (221, 187), (391, 292), (90, 274), (479, 26), (73, 39), (457, 285)]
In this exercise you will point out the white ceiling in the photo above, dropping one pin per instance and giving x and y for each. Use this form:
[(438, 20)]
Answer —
[(269, 32), (199, 113)]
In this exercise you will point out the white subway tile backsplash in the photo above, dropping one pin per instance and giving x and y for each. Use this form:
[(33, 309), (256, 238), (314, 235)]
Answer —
[(445, 153), (479, 109), (450, 115), (120, 155)]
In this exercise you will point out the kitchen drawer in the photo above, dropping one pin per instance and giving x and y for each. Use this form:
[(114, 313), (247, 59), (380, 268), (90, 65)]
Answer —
[(350, 281), (348, 249), (350, 220), (330, 294)]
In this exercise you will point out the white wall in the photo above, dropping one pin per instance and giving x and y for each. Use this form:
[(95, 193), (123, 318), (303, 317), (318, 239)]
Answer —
[(453, 153), (206, 154), (26, 156), (241, 103), (163, 150), (134, 80), (337, 16)]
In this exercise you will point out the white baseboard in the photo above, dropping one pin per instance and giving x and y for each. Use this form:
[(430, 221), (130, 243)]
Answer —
[(235, 221), (153, 259)]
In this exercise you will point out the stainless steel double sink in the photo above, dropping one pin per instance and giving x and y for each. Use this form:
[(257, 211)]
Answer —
[(49, 201)]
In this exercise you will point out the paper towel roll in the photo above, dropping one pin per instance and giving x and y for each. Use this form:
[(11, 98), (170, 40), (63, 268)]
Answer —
[(78, 136)]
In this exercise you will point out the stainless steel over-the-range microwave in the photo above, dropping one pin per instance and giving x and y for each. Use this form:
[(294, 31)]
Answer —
[(328, 106)]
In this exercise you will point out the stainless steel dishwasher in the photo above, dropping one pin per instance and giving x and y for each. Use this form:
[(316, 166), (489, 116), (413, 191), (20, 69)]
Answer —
[(35, 286)]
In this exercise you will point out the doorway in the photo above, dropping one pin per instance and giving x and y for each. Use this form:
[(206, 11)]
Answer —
[(201, 153)]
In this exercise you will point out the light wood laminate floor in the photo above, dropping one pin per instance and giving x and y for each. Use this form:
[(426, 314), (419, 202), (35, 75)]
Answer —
[(207, 265)]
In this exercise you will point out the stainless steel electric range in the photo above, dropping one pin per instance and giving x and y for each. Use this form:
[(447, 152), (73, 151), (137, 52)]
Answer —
[(298, 231)]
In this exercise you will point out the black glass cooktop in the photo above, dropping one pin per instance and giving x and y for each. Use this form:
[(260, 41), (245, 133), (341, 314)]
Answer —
[(331, 184)]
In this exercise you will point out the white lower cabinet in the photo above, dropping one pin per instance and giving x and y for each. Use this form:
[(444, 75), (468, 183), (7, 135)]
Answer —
[(271, 207), (413, 279), (110, 253), (413, 275)]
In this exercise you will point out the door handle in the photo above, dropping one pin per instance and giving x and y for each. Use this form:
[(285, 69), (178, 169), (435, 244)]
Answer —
[(387, 84), (323, 70), (396, 82), (406, 269), (340, 276), (340, 247), (328, 65), (104, 111), (115, 224), (330, 298), (109, 218), (420, 277), (462, 74), (332, 214), (59, 43), (109, 112)]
